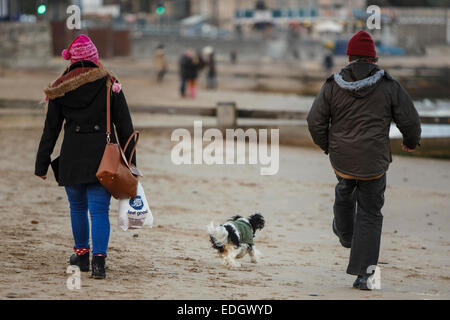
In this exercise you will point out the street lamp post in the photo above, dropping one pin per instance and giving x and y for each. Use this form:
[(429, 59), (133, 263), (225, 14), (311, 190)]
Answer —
[(215, 13)]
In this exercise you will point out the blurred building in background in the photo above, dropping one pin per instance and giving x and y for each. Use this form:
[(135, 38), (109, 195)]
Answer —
[(302, 29), (32, 10), (418, 28), (167, 9), (279, 12)]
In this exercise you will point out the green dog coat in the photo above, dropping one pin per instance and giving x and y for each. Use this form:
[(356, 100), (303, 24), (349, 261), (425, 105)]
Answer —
[(244, 228)]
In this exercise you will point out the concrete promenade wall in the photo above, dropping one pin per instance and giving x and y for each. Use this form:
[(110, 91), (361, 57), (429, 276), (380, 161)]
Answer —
[(25, 45)]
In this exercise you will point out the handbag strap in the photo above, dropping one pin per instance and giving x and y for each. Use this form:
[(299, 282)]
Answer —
[(108, 111), (108, 124), (135, 133)]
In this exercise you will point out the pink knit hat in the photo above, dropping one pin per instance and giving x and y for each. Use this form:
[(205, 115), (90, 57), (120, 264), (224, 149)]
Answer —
[(82, 48)]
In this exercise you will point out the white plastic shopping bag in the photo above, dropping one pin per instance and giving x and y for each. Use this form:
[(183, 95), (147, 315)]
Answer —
[(135, 213)]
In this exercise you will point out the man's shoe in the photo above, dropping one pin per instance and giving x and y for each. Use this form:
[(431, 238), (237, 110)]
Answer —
[(98, 267), (357, 282), (345, 244), (363, 282), (82, 261)]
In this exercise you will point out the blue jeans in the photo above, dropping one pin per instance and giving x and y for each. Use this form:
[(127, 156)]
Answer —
[(95, 198)]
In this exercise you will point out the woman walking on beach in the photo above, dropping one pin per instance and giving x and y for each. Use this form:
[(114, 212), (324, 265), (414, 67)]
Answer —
[(78, 97)]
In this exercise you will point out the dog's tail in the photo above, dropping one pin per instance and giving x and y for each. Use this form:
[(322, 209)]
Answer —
[(218, 236)]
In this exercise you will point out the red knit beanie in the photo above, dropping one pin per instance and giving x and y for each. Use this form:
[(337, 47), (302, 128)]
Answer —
[(361, 44)]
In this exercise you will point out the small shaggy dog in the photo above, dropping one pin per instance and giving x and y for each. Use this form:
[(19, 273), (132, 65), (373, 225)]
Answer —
[(234, 239)]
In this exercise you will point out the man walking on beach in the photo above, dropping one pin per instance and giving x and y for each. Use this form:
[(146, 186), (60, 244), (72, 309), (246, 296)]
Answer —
[(350, 120)]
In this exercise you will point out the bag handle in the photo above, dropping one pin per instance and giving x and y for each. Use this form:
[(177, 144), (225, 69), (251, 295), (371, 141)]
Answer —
[(108, 111), (108, 124), (135, 133)]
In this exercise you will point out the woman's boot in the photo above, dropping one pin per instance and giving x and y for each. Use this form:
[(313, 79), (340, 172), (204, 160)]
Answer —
[(98, 267)]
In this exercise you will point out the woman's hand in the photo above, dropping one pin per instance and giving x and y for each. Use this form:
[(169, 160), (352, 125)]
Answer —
[(43, 177)]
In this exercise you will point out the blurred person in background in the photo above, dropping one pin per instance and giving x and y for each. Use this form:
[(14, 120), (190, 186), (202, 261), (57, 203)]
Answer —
[(160, 63), (350, 120), (78, 99), (293, 39), (189, 66), (238, 31), (182, 63), (328, 61), (211, 72), (233, 56), (201, 63)]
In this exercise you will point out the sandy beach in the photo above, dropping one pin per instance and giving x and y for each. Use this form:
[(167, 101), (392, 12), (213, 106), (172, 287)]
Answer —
[(173, 260), (275, 72)]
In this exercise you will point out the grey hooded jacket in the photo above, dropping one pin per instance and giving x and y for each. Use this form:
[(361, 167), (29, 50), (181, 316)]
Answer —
[(351, 116)]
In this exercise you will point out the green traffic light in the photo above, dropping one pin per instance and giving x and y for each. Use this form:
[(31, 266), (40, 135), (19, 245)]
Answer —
[(160, 10), (41, 9)]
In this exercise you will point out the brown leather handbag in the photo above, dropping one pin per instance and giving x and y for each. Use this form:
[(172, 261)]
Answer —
[(115, 172)]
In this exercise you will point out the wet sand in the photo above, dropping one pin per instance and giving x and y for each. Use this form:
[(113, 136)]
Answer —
[(173, 260)]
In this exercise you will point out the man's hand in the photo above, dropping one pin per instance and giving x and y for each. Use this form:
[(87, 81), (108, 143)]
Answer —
[(43, 177), (406, 149)]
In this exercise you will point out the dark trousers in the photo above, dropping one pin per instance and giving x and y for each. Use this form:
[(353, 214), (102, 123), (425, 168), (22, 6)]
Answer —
[(183, 87), (160, 75), (357, 210)]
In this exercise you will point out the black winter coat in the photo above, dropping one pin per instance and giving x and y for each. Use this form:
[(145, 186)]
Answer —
[(84, 112), (212, 66), (351, 116), (189, 67)]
